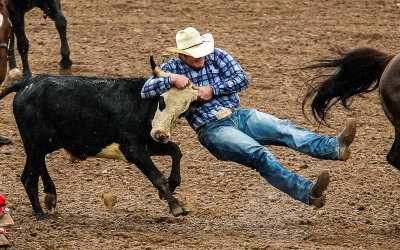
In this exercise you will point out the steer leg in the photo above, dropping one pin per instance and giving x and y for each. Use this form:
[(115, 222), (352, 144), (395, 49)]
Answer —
[(50, 198), (172, 149), (30, 179), (139, 156)]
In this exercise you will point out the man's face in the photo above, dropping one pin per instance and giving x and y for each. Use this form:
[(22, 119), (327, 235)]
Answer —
[(196, 63)]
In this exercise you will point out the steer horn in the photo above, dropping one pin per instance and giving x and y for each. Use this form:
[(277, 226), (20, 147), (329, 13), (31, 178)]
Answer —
[(157, 72)]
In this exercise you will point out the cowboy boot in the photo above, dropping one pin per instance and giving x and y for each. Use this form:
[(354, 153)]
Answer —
[(317, 196), (346, 138), (4, 140)]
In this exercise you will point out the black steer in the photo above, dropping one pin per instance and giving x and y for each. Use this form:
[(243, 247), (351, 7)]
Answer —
[(99, 117), (17, 10)]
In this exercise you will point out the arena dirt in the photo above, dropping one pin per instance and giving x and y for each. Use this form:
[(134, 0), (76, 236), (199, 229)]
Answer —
[(231, 205)]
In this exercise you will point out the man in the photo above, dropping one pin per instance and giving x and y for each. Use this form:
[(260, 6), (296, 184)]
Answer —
[(236, 134)]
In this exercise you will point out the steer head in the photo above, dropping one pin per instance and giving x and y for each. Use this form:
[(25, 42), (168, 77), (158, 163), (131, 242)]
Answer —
[(171, 105)]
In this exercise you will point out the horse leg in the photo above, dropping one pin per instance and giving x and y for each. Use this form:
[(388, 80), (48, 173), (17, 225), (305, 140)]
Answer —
[(14, 73), (11, 56), (22, 44), (54, 12), (30, 179), (171, 149), (393, 157), (139, 156)]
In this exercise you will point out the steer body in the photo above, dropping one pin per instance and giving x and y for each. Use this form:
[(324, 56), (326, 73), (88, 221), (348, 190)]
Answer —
[(90, 117)]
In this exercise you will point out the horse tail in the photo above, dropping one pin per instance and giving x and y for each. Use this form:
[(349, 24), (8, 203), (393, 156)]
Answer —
[(356, 71), (15, 87)]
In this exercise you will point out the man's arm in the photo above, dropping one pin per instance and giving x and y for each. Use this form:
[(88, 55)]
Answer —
[(156, 86), (233, 80)]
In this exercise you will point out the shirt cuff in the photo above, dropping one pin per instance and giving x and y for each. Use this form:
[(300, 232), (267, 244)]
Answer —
[(215, 88)]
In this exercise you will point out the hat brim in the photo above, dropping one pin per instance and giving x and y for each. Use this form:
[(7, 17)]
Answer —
[(203, 49)]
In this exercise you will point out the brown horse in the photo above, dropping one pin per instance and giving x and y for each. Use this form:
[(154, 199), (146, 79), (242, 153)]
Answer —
[(5, 30), (359, 71)]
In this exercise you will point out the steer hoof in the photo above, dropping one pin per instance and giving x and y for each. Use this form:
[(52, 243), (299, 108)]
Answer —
[(50, 201), (178, 211), (41, 216)]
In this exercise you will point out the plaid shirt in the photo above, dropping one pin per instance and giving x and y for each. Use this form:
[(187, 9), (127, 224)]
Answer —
[(220, 71)]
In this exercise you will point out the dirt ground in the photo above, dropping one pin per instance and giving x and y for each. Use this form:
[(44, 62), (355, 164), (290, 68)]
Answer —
[(231, 205)]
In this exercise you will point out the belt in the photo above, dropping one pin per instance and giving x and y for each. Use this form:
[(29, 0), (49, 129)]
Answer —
[(221, 114)]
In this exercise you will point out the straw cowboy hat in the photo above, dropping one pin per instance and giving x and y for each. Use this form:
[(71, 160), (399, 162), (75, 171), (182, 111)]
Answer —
[(189, 42)]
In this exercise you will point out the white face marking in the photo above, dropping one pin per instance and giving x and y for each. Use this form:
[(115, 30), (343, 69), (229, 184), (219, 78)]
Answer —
[(1, 20), (177, 101)]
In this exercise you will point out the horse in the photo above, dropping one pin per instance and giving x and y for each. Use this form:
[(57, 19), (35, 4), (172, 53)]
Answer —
[(5, 31), (361, 70), (17, 10)]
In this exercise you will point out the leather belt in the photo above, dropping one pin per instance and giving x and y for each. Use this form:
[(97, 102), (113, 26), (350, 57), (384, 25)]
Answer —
[(221, 114)]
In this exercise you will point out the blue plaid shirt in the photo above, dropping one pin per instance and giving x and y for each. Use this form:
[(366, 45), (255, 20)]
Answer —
[(220, 71)]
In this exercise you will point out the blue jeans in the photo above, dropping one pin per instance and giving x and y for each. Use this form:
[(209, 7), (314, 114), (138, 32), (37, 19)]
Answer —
[(240, 138)]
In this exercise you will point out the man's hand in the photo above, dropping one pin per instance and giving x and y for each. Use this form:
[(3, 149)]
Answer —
[(180, 81), (205, 92)]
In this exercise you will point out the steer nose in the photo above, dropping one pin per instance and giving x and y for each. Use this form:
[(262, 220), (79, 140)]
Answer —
[(159, 136)]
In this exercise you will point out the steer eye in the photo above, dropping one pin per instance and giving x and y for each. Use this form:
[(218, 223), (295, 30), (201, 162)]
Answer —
[(161, 103)]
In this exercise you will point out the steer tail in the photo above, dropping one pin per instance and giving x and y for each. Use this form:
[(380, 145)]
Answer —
[(356, 71), (15, 87)]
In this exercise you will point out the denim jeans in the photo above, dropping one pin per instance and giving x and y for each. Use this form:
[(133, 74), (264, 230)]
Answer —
[(240, 138)]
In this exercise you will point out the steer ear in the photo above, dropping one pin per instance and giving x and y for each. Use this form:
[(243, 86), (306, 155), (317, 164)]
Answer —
[(194, 105), (157, 72)]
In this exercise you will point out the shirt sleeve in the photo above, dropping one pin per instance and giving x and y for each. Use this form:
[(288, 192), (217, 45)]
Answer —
[(155, 86), (233, 77)]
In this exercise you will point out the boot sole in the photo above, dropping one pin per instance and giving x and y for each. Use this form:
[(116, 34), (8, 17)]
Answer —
[(350, 134), (321, 185), (348, 138)]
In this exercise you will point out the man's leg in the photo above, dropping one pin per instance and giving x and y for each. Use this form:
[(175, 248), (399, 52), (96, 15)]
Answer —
[(229, 143), (270, 130)]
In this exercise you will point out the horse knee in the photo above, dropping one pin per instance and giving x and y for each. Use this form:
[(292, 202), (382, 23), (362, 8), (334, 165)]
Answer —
[(61, 23)]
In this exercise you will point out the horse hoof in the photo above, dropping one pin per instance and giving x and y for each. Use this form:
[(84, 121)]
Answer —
[(50, 201), (65, 63), (14, 75)]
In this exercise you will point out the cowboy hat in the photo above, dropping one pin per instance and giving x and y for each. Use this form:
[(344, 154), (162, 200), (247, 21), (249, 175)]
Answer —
[(189, 42)]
